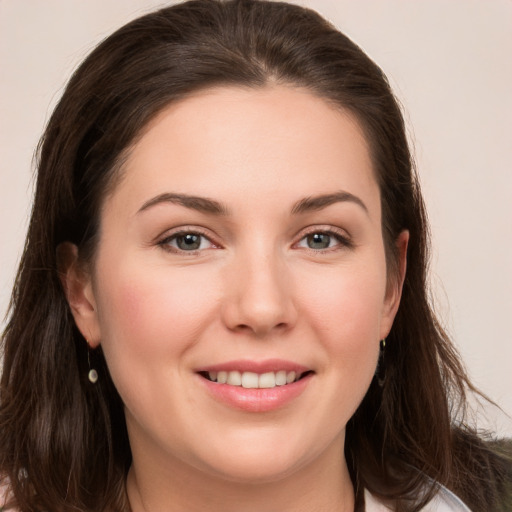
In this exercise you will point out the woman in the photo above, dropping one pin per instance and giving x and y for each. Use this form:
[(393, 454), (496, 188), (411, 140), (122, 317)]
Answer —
[(222, 301)]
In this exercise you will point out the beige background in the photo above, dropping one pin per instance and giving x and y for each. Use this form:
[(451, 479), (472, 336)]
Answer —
[(450, 62)]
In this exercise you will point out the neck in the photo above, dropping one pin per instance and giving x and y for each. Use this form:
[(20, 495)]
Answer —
[(324, 484)]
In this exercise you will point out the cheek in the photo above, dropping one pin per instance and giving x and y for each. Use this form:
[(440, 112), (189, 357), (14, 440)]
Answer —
[(150, 319), (151, 312), (345, 309), (347, 305)]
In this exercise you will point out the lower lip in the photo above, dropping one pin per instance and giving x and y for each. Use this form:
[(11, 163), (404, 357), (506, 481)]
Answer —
[(256, 400)]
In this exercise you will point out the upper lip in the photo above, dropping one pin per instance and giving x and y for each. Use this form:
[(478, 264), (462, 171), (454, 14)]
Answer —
[(245, 365)]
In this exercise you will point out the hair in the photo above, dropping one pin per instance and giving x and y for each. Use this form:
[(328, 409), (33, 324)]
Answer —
[(63, 443)]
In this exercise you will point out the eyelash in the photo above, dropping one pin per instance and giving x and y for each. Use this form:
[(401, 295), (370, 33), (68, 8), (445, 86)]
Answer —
[(343, 241), (165, 242)]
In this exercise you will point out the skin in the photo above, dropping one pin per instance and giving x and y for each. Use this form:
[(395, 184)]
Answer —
[(255, 289)]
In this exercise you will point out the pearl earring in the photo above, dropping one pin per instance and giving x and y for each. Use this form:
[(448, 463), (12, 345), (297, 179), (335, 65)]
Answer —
[(93, 374)]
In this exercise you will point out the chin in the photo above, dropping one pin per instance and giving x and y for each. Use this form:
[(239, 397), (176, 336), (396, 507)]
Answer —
[(259, 461), (255, 472)]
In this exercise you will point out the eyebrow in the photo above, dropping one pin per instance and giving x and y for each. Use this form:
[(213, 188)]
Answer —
[(206, 205), (202, 204), (319, 202)]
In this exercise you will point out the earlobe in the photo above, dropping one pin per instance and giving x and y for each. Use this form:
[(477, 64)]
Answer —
[(394, 292), (77, 286)]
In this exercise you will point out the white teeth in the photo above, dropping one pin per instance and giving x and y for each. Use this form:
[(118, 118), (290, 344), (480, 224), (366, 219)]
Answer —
[(234, 379), (281, 378), (251, 380), (267, 380)]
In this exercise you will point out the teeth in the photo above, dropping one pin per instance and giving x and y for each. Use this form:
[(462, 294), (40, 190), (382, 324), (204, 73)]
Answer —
[(251, 380), (234, 379), (290, 377), (281, 378), (267, 380)]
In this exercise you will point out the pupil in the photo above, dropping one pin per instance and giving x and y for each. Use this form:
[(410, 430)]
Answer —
[(189, 242), (318, 241)]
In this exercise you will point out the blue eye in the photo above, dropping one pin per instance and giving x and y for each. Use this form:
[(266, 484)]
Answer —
[(187, 242)]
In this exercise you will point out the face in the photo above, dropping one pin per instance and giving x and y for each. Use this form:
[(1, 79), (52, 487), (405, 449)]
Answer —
[(239, 291)]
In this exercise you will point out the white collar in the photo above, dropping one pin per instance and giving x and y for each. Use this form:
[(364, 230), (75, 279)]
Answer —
[(443, 501)]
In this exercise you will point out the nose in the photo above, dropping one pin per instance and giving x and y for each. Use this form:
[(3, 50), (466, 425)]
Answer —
[(259, 296)]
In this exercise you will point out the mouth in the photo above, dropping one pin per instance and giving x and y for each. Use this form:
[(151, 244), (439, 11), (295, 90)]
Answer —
[(253, 380), (256, 386)]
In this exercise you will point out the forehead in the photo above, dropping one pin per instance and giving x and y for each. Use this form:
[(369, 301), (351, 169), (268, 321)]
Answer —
[(231, 140)]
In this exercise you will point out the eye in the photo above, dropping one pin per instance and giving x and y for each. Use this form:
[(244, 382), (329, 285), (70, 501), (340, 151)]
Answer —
[(186, 241), (321, 240)]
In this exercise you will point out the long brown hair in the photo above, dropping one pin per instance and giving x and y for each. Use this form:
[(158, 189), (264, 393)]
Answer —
[(63, 442)]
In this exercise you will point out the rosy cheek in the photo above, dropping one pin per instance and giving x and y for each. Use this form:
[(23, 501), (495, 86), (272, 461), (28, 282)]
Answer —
[(346, 308), (154, 308)]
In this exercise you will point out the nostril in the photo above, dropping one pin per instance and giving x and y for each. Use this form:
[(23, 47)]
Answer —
[(242, 328), (260, 328)]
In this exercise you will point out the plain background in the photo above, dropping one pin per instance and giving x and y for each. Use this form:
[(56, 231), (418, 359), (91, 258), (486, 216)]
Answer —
[(450, 63)]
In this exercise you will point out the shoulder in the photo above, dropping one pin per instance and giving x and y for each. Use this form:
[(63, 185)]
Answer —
[(443, 501)]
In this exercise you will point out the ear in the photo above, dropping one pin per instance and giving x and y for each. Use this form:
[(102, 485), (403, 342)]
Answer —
[(77, 284), (395, 285)]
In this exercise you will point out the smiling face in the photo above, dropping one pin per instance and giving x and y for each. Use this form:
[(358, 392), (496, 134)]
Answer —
[(239, 289)]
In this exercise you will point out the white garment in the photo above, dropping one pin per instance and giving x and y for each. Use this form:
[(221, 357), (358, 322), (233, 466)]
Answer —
[(444, 501)]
